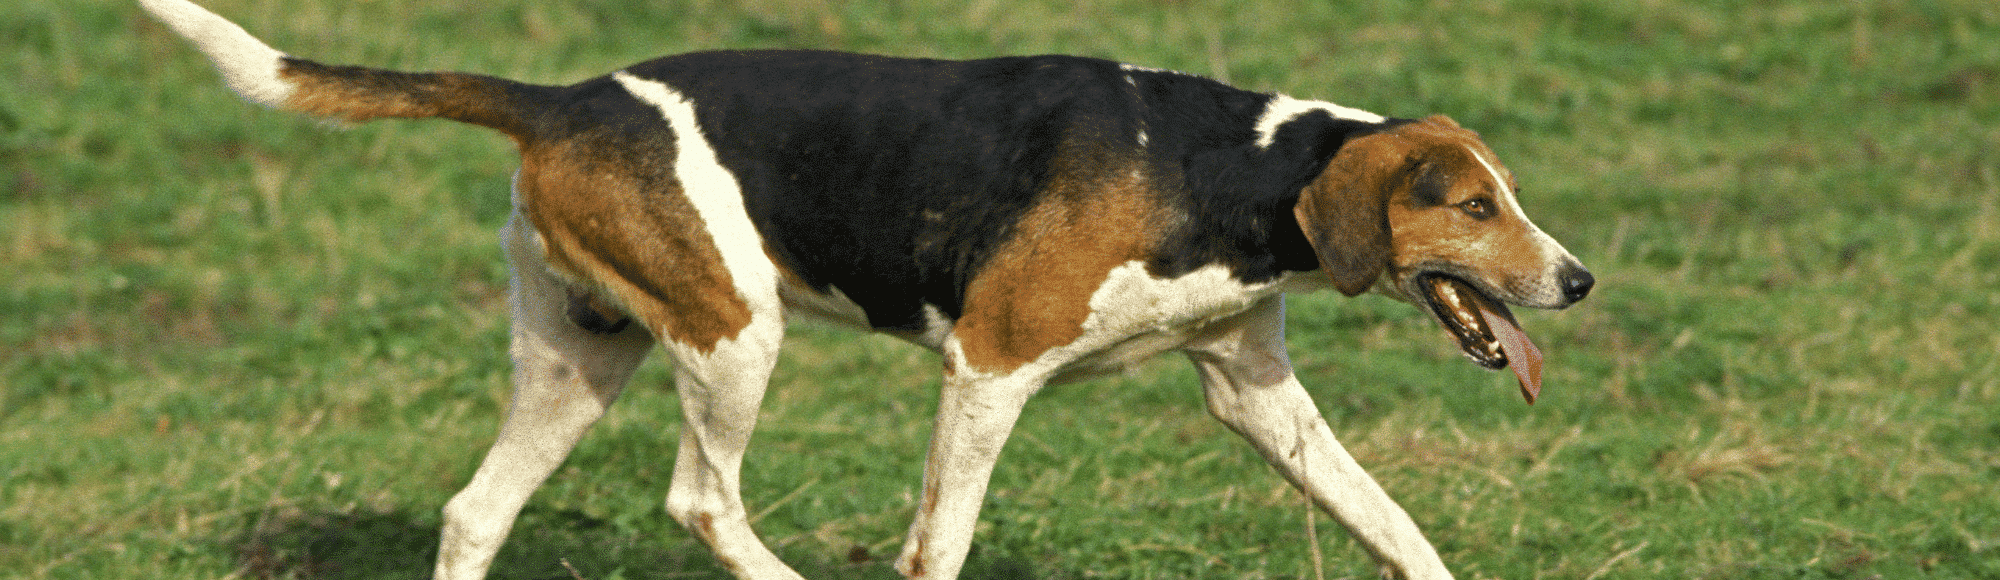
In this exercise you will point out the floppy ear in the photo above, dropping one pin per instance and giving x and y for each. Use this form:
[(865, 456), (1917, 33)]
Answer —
[(1345, 211), (1442, 120)]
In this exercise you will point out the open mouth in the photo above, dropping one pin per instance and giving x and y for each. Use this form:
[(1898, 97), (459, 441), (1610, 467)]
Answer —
[(1484, 328)]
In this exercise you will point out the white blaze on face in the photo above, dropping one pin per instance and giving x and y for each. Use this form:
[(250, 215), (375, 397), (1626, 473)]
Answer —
[(1552, 252), (1508, 204)]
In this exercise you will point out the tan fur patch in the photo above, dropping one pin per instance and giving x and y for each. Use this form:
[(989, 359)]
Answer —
[(1343, 212), (621, 222), (1365, 194), (357, 94), (1502, 249), (1034, 294)]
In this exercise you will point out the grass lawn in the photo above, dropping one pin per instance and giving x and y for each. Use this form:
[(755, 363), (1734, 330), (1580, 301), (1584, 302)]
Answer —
[(244, 344)]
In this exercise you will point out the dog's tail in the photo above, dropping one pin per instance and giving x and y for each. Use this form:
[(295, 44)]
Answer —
[(274, 79)]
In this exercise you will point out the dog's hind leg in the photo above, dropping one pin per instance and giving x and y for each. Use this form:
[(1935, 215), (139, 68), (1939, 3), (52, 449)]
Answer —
[(565, 375), (720, 391)]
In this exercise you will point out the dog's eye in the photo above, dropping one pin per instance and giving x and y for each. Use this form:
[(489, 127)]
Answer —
[(1481, 208)]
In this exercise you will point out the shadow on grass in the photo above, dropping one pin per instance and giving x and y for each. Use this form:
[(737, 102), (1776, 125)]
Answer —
[(545, 545)]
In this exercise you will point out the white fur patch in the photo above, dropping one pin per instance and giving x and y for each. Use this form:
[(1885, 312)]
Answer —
[(1133, 300), (1131, 68), (715, 194), (1283, 109), (1508, 202), (1135, 315), (248, 66), (1546, 289), (1498, 179)]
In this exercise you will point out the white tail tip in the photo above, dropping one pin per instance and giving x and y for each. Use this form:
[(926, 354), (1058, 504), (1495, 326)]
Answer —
[(248, 66)]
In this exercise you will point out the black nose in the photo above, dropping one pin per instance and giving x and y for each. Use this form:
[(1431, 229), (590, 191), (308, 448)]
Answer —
[(1576, 283)]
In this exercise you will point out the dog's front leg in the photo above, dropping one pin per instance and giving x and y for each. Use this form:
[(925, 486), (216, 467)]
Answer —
[(974, 418), (1249, 384)]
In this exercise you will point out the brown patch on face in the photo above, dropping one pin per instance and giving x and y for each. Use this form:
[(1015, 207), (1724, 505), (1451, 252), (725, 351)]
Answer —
[(614, 216), (1465, 223), (1416, 197), (1457, 242), (1034, 293)]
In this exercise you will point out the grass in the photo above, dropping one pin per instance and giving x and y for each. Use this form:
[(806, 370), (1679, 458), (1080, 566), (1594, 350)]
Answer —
[(240, 344)]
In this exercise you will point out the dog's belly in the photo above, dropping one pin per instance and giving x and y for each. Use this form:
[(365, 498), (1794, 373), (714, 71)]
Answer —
[(835, 309), (804, 303), (1134, 316), (1121, 357)]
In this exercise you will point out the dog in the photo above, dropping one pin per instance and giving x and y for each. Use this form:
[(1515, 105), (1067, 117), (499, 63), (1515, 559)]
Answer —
[(1032, 219)]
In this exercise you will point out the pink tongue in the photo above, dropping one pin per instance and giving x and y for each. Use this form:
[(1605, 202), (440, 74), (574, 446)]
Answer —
[(1522, 355)]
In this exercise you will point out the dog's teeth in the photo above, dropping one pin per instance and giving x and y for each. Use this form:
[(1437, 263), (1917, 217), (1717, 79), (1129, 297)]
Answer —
[(1454, 301)]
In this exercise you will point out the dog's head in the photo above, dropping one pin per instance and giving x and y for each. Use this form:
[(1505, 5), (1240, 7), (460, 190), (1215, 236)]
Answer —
[(1425, 212)]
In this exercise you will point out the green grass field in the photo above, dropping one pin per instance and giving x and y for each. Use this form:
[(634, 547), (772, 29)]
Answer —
[(243, 344)]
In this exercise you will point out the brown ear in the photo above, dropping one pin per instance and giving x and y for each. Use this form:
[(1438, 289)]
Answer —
[(1442, 120), (1345, 211)]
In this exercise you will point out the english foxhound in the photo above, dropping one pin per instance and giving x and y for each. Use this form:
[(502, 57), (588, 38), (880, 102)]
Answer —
[(1032, 219)]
